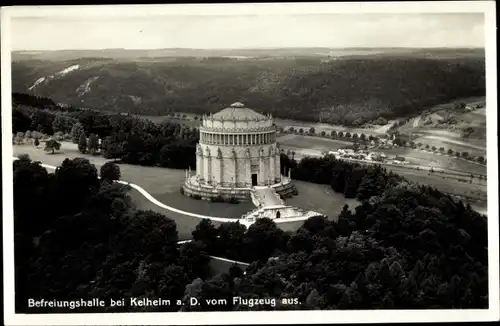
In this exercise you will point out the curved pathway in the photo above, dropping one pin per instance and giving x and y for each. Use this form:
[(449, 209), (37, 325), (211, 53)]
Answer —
[(148, 196), (153, 200)]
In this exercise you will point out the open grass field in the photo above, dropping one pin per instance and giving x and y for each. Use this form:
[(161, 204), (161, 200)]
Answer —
[(311, 142), (185, 223), (203, 207), (149, 178), (455, 144), (320, 198)]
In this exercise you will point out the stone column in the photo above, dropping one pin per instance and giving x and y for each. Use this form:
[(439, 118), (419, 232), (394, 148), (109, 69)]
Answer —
[(277, 174), (198, 163), (221, 161), (235, 162), (200, 167), (262, 171), (248, 168), (270, 175), (208, 168)]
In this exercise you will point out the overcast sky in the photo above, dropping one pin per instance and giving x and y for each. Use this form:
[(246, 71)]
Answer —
[(250, 31)]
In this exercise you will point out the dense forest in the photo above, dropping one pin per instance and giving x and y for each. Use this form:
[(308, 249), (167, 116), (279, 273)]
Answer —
[(346, 90), (404, 247)]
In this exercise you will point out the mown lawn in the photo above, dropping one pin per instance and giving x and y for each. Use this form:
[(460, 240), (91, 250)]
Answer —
[(163, 184), (204, 207), (320, 198)]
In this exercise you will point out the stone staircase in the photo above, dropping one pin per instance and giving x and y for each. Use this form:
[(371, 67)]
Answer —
[(268, 203), (267, 196)]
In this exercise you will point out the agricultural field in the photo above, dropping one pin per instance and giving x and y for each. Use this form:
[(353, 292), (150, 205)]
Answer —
[(477, 189), (424, 158), (311, 142), (303, 145), (448, 125), (453, 144)]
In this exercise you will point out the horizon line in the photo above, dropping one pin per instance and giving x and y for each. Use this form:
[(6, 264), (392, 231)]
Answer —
[(258, 48)]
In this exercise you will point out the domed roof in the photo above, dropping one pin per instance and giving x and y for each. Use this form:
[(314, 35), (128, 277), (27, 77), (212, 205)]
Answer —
[(238, 112)]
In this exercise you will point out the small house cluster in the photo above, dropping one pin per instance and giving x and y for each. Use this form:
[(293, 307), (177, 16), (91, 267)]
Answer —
[(359, 155)]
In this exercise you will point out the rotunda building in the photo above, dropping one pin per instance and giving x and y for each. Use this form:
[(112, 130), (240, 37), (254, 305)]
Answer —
[(237, 151)]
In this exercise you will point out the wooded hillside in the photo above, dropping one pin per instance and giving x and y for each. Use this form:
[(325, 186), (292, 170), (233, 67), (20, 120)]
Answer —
[(339, 90)]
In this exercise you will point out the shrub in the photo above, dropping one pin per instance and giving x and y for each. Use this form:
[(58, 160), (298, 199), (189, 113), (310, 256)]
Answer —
[(110, 171), (82, 143), (234, 200), (218, 199), (24, 157), (76, 131), (380, 121), (59, 136), (52, 145)]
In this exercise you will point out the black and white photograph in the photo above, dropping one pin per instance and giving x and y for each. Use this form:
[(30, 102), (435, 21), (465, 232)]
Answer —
[(291, 162)]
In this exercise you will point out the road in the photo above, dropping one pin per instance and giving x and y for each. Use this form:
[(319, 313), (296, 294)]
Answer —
[(447, 182)]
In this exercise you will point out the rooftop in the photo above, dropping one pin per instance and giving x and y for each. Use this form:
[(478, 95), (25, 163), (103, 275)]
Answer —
[(238, 112)]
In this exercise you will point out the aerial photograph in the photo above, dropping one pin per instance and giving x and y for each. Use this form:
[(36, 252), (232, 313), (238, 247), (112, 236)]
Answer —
[(192, 163)]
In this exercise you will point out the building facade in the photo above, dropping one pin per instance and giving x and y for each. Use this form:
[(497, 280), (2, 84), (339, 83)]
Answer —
[(236, 153), (238, 149)]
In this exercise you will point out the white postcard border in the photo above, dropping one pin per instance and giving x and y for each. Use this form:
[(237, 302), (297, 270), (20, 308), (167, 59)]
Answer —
[(273, 317)]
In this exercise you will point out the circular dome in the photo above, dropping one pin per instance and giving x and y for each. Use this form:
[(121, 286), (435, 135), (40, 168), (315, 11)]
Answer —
[(238, 112)]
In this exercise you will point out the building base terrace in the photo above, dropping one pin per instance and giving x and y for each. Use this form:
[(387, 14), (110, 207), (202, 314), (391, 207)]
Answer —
[(193, 188)]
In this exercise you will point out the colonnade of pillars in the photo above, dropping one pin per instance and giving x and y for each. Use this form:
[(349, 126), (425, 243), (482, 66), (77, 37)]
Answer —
[(235, 139)]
